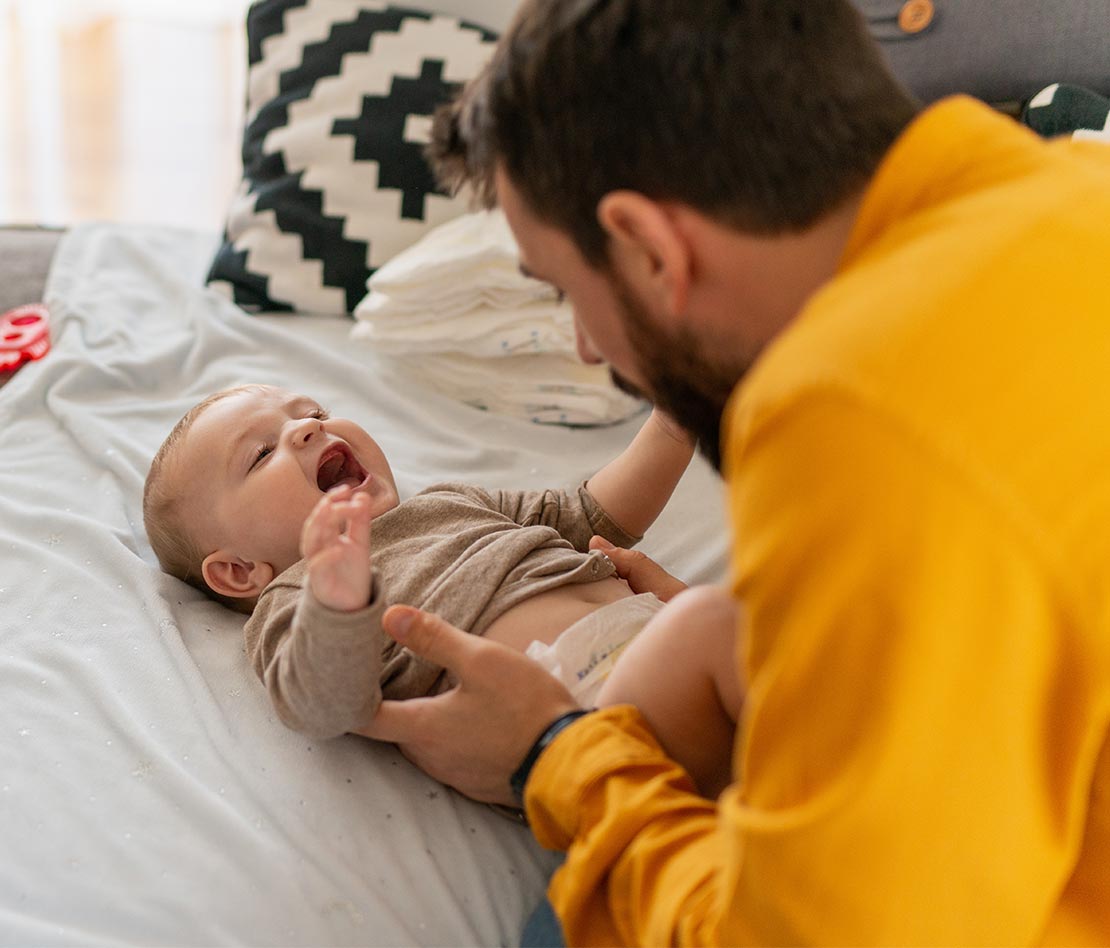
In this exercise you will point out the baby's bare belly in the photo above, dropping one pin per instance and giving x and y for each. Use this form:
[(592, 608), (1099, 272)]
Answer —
[(545, 616)]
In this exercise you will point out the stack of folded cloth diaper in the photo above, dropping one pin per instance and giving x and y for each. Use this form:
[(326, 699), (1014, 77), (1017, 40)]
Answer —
[(456, 310)]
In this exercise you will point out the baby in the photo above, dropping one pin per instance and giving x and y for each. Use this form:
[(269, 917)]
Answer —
[(264, 501)]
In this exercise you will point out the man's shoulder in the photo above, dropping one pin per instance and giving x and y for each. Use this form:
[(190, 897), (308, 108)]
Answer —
[(947, 311)]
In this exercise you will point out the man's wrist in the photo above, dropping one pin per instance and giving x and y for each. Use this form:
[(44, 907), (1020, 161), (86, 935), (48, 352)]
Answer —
[(520, 776)]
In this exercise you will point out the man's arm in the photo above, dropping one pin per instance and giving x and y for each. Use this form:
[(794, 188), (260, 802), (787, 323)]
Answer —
[(474, 736), (901, 781), (635, 486)]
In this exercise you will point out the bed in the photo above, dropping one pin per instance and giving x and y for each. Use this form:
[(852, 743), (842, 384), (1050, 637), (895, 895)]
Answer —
[(147, 792)]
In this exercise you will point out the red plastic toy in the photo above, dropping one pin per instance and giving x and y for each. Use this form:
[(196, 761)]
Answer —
[(24, 336)]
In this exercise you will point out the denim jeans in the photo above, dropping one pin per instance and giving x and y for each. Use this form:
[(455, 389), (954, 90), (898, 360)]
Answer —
[(542, 930)]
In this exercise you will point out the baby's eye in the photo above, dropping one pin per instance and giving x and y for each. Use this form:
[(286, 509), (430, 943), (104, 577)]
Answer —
[(260, 455), (322, 413)]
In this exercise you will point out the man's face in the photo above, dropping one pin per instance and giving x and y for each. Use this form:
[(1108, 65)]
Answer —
[(547, 254), (651, 354), (690, 386), (254, 465)]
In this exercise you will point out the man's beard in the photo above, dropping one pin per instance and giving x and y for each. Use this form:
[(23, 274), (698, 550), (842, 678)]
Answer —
[(684, 383)]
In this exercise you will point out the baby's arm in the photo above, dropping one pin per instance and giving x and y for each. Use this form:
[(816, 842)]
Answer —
[(335, 543), (619, 502), (318, 646), (681, 672), (635, 486)]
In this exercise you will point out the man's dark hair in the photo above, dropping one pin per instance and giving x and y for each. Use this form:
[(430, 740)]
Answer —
[(763, 114)]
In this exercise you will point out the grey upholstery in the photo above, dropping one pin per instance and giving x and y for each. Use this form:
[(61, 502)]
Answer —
[(25, 255), (998, 50)]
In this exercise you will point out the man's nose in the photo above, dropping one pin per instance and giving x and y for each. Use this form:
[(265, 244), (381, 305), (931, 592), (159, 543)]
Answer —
[(586, 351)]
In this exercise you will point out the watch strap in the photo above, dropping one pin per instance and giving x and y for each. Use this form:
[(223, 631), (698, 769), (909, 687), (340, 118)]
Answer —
[(521, 774)]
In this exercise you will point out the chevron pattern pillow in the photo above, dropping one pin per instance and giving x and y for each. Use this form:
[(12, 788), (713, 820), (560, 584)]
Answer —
[(1062, 109), (340, 95)]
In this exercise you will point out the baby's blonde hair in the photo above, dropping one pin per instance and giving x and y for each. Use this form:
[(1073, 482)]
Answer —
[(164, 515)]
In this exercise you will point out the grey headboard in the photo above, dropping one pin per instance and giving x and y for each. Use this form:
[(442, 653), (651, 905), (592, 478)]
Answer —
[(1001, 51), (998, 50), (25, 255)]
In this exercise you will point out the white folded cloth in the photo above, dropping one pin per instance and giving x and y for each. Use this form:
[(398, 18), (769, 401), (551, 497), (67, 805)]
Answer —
[(547, 388), (455, 310), (483, 332), (465, 264)]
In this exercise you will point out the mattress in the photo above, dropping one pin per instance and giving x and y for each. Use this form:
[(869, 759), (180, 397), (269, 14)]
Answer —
[(148, 794)]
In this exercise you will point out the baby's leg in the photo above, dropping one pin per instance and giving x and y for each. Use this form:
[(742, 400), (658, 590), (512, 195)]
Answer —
[(681, 672)]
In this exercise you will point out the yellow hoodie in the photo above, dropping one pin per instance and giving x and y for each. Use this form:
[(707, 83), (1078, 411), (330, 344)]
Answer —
[(919, 478)]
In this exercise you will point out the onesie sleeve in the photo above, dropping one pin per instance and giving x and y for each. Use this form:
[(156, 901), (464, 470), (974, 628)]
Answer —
[(321, 668), (576, 515)]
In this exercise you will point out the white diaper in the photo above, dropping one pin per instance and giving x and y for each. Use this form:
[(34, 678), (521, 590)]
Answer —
[(584, 654)]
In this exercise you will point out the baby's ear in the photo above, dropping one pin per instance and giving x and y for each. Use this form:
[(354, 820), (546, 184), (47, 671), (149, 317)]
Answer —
[(230, 575)]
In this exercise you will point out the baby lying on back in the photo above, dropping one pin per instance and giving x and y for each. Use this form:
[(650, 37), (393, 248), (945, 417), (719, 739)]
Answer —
[(264, 501)]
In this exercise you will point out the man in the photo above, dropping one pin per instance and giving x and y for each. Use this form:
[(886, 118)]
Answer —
[(905, 319)]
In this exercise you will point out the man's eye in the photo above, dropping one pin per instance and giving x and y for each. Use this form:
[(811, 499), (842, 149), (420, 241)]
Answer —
[(259, 456)]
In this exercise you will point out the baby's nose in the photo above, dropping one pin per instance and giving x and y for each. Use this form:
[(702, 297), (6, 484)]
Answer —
[(306, 429)]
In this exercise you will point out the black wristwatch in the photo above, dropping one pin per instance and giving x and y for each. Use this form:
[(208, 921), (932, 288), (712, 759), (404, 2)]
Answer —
[(521, 774)]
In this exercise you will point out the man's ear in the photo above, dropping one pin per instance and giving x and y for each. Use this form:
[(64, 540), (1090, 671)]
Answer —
[(232, 576), (647, 249)]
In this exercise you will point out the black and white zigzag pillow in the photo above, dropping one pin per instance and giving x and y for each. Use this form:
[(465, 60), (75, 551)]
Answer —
[(340, 95), (1062, 109)]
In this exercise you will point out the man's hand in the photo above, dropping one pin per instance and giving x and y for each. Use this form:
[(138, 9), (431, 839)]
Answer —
[(474, 736), (336, 542), (641, 573)]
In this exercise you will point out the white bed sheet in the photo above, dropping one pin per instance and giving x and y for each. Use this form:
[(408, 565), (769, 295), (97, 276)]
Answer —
[(147, 793)]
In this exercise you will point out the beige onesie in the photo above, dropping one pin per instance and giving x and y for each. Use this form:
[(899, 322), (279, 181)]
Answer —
[(463, 553)]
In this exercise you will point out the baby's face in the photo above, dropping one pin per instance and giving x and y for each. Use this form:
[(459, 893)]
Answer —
[(255, 464)]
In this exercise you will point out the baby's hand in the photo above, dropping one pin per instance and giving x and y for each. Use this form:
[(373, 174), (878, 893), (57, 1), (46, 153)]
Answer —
[(336, 542)]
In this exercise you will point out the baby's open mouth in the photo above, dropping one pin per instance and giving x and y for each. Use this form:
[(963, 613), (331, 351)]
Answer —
[(338, 466)]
